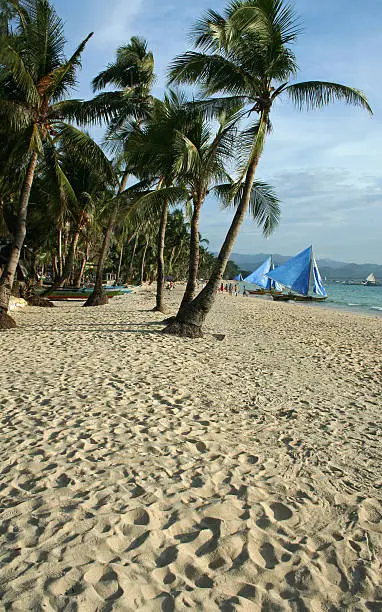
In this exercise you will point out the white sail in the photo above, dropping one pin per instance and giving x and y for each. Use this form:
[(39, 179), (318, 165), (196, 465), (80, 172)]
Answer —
[(371, 279)]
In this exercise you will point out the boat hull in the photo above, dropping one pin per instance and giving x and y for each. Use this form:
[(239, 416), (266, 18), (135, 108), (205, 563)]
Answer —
[(72, 294), (284, 297), (263, 292)]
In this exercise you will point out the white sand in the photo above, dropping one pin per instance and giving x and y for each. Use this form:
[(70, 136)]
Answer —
[(145, 472)]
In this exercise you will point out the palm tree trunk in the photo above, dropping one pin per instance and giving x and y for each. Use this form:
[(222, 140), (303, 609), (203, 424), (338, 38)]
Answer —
[(189, 320), (69, 260), (160, 307), (99, 297), (59, 252), (54, 268), (193, 269), (68, 267), (78, 280), (120, 260), (144, 260), (179, 253), (131, 267), (170, 261), (8, 276)]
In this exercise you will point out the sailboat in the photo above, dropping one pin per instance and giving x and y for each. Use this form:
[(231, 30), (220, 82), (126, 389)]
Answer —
[(370, 281), (302, 276), (238, 278), (259, 277)]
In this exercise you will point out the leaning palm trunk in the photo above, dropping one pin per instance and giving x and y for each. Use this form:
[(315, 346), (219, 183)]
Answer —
[(190, 318), (131, 267), (8, 276), (99, 297), (160, 306), (120, 259), (59, 253), (144, 260), (193, 269), (80, 275)]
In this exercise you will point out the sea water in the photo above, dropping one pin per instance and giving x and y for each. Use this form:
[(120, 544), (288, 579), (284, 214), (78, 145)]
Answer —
[(355, 298)]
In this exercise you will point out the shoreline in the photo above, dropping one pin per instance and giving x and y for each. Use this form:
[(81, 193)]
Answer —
[(331, 305), (148, 472)]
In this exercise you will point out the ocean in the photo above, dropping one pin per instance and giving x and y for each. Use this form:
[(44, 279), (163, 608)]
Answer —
[(353, 298)]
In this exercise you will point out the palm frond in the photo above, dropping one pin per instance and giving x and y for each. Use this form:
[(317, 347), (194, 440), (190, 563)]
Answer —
[(44, 38), (151, 202), (133, 67), (55, 178), (264, 205), (62, 78), (35, 143), (14, 116), (83, 147), (187, 156), (213, 73), (13, 63), (217, 108), (316, 94), (265, 18)]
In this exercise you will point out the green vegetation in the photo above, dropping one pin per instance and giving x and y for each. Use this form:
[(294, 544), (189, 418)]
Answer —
[(133, 205)]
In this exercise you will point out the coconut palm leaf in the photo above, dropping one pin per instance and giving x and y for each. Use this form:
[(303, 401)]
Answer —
[(315, 94), (264, 206), (150, 202), (213, 72), (61, 80), (83, 147), (13, 65), (265, 19), (14, 116)]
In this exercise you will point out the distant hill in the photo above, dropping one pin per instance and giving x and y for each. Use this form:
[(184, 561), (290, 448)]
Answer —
[(333, 270)]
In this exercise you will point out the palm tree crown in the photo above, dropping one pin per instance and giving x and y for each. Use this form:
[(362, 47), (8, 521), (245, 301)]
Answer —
[(246, 53)]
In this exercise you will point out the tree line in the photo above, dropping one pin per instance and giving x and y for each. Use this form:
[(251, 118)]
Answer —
[(130, 198)]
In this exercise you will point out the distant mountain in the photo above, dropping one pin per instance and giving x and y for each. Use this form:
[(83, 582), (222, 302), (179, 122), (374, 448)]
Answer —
[(329, 268)]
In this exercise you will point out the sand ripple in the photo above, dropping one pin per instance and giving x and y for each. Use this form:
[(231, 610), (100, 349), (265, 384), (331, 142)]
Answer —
[(142, 472)]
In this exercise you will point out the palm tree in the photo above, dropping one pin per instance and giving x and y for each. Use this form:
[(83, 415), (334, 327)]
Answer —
[(34, 78), (201, 161), (246, 55), (133, 73), (152, 157)]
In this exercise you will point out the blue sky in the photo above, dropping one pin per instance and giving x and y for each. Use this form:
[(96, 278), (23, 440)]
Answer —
[(325, 165)]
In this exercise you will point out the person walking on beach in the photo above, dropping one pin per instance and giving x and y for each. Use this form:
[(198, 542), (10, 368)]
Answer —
[(226, 287), (236, 290), (245, 292), (222, 287)]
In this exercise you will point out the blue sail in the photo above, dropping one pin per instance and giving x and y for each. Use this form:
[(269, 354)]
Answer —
[(295, 273), (238, 278), (259, 276), (318, 287), (274, 285)]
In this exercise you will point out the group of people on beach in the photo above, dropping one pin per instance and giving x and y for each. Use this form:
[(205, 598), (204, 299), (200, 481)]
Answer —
[(232, 289)]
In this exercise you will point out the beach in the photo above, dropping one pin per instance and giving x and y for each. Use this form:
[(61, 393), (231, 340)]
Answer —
[(146, 472)]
